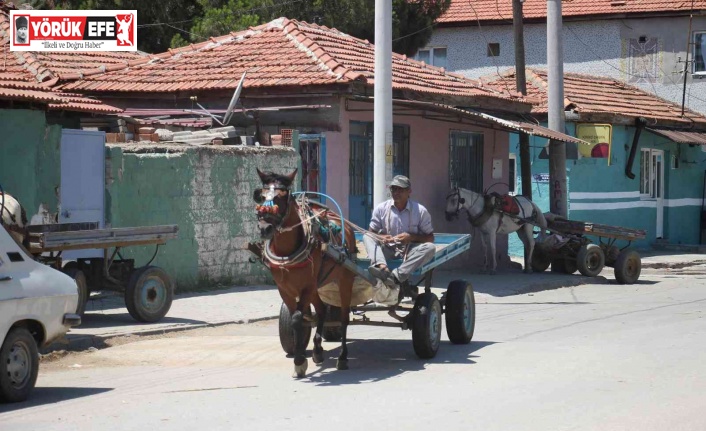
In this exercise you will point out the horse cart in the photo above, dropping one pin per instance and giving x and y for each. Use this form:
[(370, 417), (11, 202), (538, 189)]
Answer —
[(148, 290), (569, 248), (422, 315)]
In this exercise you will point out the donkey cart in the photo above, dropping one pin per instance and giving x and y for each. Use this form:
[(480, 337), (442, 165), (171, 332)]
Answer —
[(569, 248), (148, 290), (422, 316)]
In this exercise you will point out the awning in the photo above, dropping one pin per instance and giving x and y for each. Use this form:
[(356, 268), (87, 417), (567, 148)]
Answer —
[(698, 138), (482, 118), (532, 129)]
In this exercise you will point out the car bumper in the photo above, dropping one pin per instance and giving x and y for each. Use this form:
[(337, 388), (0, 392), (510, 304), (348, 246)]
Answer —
[(71, 319)]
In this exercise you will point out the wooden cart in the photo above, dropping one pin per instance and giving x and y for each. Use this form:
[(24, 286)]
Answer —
[(569, 247), (148, 290), (422, 315)]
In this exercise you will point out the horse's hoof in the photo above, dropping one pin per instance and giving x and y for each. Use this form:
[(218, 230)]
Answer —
[(318, 357), (528, 271), (342, 364), (492, 272), (300, 370)]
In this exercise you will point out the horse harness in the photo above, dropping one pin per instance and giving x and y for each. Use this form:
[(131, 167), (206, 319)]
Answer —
[(492, 203), (317, 230)]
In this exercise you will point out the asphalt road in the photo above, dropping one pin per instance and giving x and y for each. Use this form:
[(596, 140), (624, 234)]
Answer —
[(592, 357)]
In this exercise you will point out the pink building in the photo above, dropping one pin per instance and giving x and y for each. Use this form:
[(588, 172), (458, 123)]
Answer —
[(320, 82)]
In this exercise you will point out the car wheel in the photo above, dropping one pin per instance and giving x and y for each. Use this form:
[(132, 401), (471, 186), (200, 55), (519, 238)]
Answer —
[(19, 365)]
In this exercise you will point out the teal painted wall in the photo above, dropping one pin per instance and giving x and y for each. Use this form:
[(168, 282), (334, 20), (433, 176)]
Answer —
[(29, 158), (207, 191), (683, 187)]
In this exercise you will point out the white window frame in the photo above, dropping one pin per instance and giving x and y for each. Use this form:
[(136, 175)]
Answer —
[(702, 35), (431, 55), (649, 189), (512, 169)]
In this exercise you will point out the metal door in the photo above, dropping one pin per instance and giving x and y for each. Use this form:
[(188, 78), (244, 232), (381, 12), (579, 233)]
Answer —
[(657, 178), (360, 172), (82, 182)]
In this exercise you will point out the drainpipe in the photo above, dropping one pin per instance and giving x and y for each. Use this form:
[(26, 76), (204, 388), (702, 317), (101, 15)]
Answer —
[(639, 125)]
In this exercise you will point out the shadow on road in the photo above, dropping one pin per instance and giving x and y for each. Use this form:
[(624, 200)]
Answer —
[(376, 360), (42, 396)]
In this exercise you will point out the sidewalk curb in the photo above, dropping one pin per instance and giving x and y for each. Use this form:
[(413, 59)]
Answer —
[(673, 265)]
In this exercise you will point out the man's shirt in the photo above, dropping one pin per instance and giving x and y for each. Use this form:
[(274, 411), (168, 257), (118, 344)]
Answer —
[(413, 219)]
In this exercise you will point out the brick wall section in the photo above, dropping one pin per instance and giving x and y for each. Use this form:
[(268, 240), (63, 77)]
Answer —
[(207, 191)]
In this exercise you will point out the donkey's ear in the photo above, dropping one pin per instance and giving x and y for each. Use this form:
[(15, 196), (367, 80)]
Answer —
[(261, 175), (292, 175)]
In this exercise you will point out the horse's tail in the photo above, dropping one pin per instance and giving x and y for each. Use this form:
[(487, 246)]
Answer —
[(539, 218)]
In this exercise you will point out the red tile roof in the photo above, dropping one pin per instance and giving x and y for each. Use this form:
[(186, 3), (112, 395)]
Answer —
[(587, 94), (280, 53), (68, 66), (470, 11), (18, 83)]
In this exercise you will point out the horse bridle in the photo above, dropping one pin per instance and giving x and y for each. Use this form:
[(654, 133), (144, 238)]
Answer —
[(261, 215), (460, 204)]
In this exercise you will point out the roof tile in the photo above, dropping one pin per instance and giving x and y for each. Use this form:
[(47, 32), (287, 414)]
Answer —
[(471, 11), (281, 52), (594, 94)]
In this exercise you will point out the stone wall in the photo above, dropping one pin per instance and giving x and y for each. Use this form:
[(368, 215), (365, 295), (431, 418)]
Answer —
[(207, 191)]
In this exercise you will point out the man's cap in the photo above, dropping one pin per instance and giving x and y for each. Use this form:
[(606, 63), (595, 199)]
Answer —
[(401, 181), (21, 21)]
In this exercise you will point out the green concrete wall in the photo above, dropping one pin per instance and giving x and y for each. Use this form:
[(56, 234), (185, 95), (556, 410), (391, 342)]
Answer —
[(29, 158), (207, 191), (682, 187)]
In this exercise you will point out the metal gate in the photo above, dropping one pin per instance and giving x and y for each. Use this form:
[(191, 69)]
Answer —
[(82, 182)]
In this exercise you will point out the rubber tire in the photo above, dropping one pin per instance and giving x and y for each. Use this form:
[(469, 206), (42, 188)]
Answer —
[(590, 260), (150, 312), (15, 393), (564, 266), (71, 269), (286, 333), (540, 262), (332, 333), (628, 266), (426, 325), (460, 312)]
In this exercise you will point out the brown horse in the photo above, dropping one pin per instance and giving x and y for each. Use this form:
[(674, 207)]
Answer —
[(292, 230)]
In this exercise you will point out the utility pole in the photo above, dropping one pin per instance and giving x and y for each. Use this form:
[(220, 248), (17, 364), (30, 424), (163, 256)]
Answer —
[(382, 133), (521, 81), (558, 201)]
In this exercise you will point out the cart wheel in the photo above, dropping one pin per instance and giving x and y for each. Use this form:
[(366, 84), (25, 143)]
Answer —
[(460, 312), (590, 260), (71, 269), (19, 365), (332, 333), (540, 261), (628, 266), (426, 325), (564, 266), (286, 333), (149, 294)]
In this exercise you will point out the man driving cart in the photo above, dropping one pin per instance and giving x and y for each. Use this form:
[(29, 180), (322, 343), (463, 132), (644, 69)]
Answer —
[(401, 229)]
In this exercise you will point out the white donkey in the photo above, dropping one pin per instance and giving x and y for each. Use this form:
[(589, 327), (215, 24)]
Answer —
[(483, 214)]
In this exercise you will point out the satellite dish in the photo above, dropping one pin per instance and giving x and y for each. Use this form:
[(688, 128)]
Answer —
[(234, 100)]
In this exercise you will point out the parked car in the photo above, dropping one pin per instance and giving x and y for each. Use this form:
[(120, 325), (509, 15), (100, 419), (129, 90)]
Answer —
[(37, 306)]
